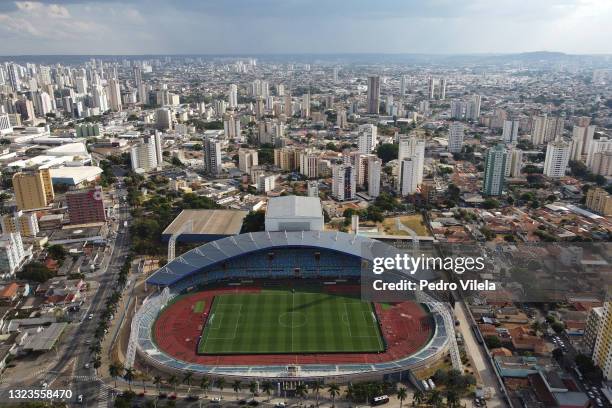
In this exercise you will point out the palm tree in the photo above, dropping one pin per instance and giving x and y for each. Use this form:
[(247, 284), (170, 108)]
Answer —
[(221, 384), (417, 397), (97, 363), (301, 391), (129, 376), (157, 380), (173, 381), (237, 386), (204, 384), (350, 392), (267, 387), (333, 389), (316, 387), (402, 395), (452, 400), (187, 380), (253, 388), (435, 398), (95, 348), (115, 370)]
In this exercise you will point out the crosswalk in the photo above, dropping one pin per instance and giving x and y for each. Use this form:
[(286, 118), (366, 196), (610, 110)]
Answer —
[(104, 397)]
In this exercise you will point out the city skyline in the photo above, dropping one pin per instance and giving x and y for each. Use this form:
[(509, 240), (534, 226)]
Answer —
[(272, 27)]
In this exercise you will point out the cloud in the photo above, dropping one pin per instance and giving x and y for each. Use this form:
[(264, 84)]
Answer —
[(295, 26)]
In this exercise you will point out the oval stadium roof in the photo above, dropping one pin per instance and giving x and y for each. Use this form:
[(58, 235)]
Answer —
[(225, 249)]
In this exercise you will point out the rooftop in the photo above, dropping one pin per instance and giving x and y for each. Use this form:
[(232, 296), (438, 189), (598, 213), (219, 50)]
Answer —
[(294, 206), (209, 222)]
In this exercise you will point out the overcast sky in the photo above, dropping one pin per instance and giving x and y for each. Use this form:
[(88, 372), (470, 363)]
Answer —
[(304, 26)]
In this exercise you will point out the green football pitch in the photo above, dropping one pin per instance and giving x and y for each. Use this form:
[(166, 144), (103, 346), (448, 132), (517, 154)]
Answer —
[(278, 321)]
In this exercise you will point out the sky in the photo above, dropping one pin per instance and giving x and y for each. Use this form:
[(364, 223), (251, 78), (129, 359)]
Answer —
[(304, 26)]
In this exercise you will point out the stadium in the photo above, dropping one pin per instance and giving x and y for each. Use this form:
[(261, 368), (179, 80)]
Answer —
[(283, 305)]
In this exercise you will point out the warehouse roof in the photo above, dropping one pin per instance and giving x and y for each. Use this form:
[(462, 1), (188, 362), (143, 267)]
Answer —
[(208, 222), (74, 175), (294, 206)]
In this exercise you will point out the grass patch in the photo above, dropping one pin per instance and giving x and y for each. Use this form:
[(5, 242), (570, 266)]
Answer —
[(283, 321)]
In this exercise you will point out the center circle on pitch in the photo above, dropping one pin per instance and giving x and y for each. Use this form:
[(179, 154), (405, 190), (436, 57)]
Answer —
[(292, 319)]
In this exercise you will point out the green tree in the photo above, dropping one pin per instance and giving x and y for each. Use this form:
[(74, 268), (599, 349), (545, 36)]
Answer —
[(204, 384), (316, 388), (157, 380), (57, 252), (333, 389), (237, 386), (129, 376), (173, 382), (253, 388), (267, 388), (35, 271), (221, 385), (387, 152), (187, 380), (435, 398), (492, 341), (301, 391), (115, 370), (417, 397), (402, 395), (254, 221)]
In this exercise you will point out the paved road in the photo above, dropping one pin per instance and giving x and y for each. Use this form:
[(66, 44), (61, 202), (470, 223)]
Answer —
[(479, 356), (76, 353)]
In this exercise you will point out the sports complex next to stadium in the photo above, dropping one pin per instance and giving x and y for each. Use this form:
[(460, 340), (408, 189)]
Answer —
[(283, 305)]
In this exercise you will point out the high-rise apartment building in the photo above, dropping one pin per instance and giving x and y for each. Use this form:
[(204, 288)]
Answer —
[(287, 158), (411, 147), (341, 120), (24, 223), (33, 189), (510, 131), (408, 176), (232, 96), (600, 201), (343, 182), (472, 108), (557, 158), (163, 119), (442, 95), (247, 158), (538, 129), (147, 154), (602, 352), (431, 88), (496, 161), (457, 109), (114, 95), (231, 126), (86, 206), (455, 137), (12, 253), (373, 176), (514, 163), (602, 164), (367, 138), (373, 94), (597, 146), (212, 156)]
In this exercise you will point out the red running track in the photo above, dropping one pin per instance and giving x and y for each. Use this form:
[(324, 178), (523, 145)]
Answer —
[(406, 328)]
